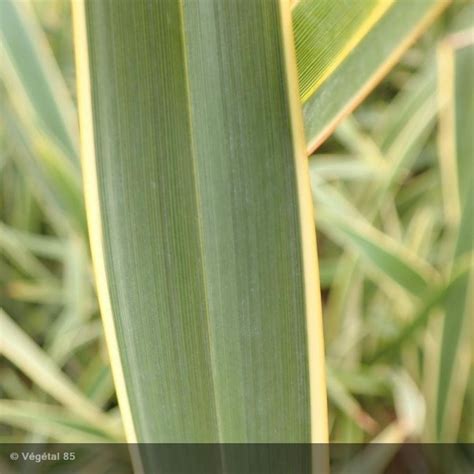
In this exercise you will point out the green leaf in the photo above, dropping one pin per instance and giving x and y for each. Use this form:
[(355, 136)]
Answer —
[(388, 257), (41, 245), (33, 78), (457, 122), (342, 168), (23, 352), (432, 300), (382, 252), (377, 34), (325, 34), (21, 256), (51, 421), (200, 216), (403, 132), (363, 381), (40, 117), (55, 181)]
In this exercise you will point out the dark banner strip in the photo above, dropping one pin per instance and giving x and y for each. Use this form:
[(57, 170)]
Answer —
[(238, 458)]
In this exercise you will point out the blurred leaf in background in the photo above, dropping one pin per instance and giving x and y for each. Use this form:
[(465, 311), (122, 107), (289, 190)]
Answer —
[(398, 297), (51, 342)]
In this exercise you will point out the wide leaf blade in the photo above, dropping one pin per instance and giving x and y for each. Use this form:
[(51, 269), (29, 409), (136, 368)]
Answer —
[(200, 214)]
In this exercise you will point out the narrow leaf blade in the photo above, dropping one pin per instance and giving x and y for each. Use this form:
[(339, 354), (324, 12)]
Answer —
[(364, 65)]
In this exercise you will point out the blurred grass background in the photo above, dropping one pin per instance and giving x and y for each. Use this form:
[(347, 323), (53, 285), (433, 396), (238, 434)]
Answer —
[(394, 220)]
